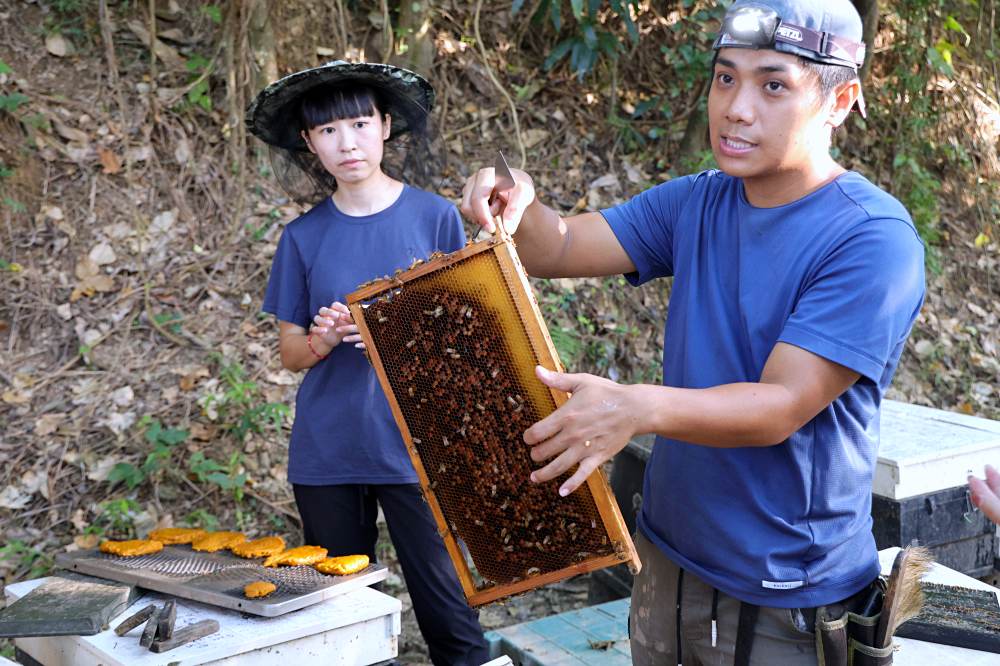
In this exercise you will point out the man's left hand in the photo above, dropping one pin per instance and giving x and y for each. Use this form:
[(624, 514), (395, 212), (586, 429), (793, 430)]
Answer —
[(596, 423)]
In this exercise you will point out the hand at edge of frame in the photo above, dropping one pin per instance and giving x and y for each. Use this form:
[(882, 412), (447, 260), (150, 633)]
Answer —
[(986, 493)]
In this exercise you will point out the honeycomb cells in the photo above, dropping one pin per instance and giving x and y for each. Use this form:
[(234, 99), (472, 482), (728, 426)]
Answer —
[(461, 367)]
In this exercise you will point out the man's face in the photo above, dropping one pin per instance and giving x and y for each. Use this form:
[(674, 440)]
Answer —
[(765, 115)]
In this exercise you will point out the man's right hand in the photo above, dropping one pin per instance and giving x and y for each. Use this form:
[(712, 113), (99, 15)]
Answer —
[(509, 204)]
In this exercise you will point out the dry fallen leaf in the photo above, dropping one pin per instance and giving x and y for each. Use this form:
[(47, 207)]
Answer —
[(100, 470), (58, 45), (14, 497), (48, 424), (102, 254), (90, 285), (203, 433), (15, 397), (69, 133), (109, 161), (87, 541), (168, 55)]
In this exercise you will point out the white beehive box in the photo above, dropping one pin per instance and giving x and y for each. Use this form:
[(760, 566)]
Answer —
[(925, 450)]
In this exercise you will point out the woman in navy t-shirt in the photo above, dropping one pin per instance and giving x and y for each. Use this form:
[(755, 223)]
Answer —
[(327, 128)]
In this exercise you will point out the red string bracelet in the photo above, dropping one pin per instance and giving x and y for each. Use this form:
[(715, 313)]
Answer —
[(315, 353)]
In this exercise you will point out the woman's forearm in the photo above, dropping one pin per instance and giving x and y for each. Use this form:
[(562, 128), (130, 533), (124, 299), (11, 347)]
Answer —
[(296, 354)]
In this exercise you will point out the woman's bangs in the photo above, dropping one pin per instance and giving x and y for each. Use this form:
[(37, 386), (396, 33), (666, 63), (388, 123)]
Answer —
[(328, 103)]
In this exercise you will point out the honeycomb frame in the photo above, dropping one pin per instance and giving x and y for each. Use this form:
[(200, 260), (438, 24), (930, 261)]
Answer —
[(454, 342)]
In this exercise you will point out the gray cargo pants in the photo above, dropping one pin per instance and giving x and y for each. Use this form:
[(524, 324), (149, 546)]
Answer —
[(782, 636)]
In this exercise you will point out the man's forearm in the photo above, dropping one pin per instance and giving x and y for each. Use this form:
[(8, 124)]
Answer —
[(541, 238), (726, 416)]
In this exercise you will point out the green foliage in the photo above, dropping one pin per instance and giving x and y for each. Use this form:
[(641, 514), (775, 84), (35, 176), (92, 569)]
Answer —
[(200, 94), (238, 405), (226, 476), (690, 60), (115, 519), (589, 37), (5, 171), (27, 562), (162, 442), (14, 206), (202, 519), (5, 68), (169, 320), (213, 12), (12, 102), (68, 17), (917, 188), (928, 43), (567, 343)]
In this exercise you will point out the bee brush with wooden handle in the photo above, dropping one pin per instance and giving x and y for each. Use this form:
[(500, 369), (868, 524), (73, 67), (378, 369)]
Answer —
[(904, 595)]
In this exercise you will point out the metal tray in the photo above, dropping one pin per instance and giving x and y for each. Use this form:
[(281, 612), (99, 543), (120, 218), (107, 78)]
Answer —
[(219, 578)]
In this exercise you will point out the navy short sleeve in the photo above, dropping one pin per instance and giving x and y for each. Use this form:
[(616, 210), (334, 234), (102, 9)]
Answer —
[(861, 301), (645, 225), (344, 430), (451, 233), (287, 296)]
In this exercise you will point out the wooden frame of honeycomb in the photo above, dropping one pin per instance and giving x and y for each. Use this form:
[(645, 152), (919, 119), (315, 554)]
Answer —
[(454, 342)]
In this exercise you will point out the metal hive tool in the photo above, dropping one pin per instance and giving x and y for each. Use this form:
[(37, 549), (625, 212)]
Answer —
[(454, 342)]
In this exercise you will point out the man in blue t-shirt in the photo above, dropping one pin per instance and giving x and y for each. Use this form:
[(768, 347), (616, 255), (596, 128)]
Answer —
[(796, 284)]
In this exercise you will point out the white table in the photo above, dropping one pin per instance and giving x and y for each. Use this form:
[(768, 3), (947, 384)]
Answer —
[(911, 652), (357, 627)]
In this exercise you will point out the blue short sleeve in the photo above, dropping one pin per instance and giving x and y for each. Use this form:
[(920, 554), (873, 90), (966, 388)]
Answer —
[(860, 303), (644, 225), (451, 234), (287, 296)]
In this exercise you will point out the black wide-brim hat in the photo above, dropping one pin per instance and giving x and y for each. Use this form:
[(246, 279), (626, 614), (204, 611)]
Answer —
[(273, 116)]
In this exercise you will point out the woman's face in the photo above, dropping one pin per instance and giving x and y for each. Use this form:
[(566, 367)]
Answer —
[(350, 149)]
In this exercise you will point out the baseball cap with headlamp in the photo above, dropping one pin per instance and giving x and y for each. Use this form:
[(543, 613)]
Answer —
[(823, 31)]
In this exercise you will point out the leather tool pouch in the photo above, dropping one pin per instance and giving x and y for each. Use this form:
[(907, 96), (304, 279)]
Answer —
[(846, 638)]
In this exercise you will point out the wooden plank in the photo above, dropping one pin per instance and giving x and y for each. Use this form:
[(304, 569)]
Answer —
[(152, 624), (70, 604), (133, 621), (165, 625), (184, 635)]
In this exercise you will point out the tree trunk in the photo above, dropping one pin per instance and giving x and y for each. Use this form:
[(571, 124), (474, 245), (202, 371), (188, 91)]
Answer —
[(262, 45), (263, 65), (415, 45), (695, 139), (868, 9)]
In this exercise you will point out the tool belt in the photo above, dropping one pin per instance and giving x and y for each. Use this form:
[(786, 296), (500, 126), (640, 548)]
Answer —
[(846, 637), (845, 631)]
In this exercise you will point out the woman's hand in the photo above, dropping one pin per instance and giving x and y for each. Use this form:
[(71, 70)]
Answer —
[(334, 325)]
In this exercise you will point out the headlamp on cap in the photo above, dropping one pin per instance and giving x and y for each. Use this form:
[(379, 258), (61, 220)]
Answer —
[(762, 28)]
